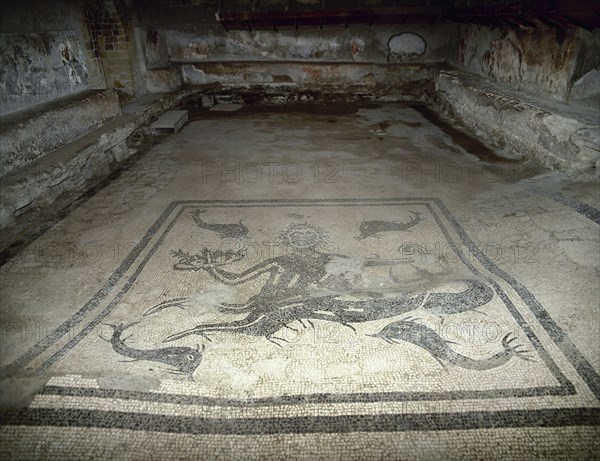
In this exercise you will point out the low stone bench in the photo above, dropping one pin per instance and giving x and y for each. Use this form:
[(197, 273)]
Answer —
[(562, 136), (74, 166), (29, 135)]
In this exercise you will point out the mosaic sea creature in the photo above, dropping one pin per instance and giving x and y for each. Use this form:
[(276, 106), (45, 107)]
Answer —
[(288, 295), (374, 228), (184, 359), (421, 335), (477, 294), (237, 231), (267, 318)]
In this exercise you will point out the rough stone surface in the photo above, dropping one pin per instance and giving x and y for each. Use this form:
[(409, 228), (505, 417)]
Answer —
[(562, 65), (28, 136), (39, 67), (585, 89), (163, 80), (559, 135), (356, 44), (408, 81), (72, 166)]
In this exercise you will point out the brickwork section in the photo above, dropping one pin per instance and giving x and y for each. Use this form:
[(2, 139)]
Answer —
[(96, 78), (110, 40)]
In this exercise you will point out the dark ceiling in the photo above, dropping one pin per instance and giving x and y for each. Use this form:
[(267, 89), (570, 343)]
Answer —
[(274, 14)]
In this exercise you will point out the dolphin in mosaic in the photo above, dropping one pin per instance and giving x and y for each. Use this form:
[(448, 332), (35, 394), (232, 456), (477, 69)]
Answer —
[(184, 359), (236, 231), (420, 335), (374, 228)]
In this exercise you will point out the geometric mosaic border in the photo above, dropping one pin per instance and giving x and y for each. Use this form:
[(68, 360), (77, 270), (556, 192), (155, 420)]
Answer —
[(308, 424)]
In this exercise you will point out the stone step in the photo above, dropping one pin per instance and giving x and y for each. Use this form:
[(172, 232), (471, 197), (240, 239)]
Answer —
[(170, 122)]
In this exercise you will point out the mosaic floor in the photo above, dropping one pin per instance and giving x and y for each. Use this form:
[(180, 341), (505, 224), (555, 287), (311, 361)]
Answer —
[(344, 295)]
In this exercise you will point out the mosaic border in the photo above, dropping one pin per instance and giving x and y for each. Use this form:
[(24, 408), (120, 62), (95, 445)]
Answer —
[(344, 423)]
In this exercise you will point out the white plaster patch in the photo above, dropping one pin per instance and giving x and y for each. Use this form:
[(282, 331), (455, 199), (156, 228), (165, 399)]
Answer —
[(407, 45)]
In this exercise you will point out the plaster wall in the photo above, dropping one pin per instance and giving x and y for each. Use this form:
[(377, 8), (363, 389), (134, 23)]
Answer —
[(44, 54), (560, 65), (188, 37)]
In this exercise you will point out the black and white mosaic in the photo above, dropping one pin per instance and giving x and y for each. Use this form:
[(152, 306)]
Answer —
[(258, 317)]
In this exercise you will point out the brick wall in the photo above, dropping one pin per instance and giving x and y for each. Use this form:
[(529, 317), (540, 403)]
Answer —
[(111, 40), (96, 77)]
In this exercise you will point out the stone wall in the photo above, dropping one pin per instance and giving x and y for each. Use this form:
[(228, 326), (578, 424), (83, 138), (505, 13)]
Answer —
[(187, 36), (43, 54), (561, 136), (36, 133), (60, 48), (109, 26), (558, 64), (336, 44)]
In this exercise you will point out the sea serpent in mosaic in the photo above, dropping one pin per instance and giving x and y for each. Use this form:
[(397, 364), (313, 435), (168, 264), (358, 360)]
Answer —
[(285, 296), (265, 319)]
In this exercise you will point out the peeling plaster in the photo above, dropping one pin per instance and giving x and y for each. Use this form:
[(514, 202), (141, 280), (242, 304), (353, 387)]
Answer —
[(36, 68)]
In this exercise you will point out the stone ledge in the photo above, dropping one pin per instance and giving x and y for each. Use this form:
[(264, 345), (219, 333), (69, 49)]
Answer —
[(75, 166), (561, 136), (411, 79), (26, 137)]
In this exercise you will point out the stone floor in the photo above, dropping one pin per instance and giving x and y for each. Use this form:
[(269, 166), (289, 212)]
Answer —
[(369, 284)]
